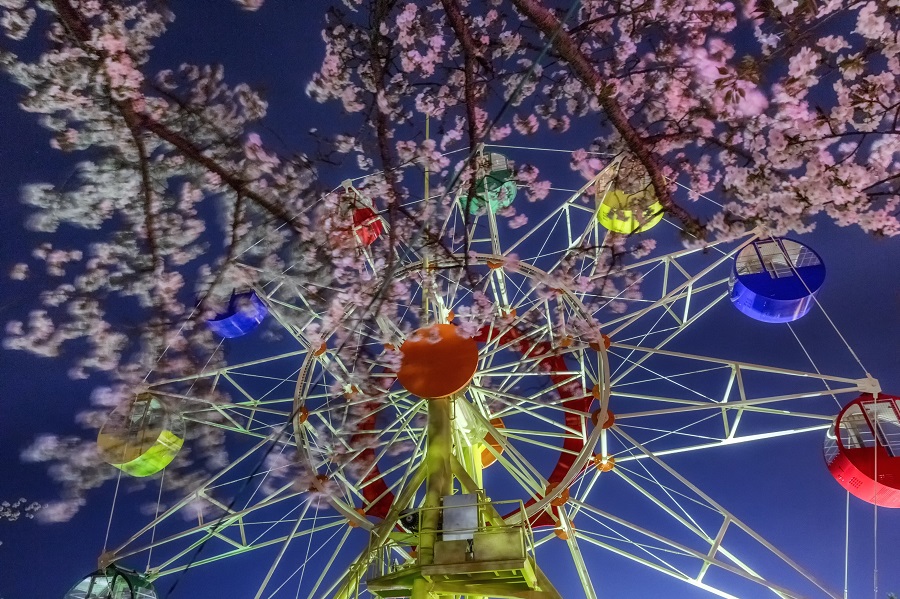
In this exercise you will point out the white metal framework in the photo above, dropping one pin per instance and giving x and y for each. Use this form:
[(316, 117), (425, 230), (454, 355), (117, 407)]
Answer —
[(327, 449)]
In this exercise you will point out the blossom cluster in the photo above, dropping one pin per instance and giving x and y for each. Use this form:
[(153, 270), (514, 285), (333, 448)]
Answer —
[(20, 508)]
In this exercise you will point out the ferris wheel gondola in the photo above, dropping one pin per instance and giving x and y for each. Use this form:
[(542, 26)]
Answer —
[(245, 312), (862, 449), (776, 279), (113, 582)]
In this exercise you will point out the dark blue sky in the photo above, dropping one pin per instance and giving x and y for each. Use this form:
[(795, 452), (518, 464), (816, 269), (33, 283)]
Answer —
[(780, 487)]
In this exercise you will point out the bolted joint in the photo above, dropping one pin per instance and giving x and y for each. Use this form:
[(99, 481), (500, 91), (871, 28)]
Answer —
[(869, 385)]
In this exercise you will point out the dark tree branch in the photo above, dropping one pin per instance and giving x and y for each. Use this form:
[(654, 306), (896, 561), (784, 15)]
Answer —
[(471, 54), (569, 50), (79, 29), (149, 217)]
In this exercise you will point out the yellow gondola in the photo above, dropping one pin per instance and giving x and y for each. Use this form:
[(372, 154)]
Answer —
[(627, 213), (141, 437)]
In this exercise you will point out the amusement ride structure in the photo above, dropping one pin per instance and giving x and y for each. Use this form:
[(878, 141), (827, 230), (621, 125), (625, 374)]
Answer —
[(512, 425)]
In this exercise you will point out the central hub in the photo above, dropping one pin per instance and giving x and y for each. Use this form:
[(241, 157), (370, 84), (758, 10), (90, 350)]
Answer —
[(437, 361)]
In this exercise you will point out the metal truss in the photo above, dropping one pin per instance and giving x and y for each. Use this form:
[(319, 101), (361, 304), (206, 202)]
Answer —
[(320, 470)]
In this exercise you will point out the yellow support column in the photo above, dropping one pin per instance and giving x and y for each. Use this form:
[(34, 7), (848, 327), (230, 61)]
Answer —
[(420, 589), (439, 480)]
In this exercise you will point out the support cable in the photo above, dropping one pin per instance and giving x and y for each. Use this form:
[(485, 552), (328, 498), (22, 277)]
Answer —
[(821, 307), (162, 480), (847, 508), (308, 547), (548, 150), (112, 509), (203, 299), (815, 367), (276, 436), (701, 195), (875, 510), (876, 429), (846, 545)]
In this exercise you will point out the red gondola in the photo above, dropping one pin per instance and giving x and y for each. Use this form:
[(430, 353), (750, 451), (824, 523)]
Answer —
[(862, 449), (367, 225)]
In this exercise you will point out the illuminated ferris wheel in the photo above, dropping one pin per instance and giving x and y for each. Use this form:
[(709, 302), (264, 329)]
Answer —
[(503, 423)]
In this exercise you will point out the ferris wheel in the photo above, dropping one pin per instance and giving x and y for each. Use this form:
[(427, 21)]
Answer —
[(503, 421)]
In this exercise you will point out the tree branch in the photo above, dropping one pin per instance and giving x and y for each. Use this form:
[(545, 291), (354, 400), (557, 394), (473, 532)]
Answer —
[(568, 49), (471, 54), (75, 24), (149, 218)]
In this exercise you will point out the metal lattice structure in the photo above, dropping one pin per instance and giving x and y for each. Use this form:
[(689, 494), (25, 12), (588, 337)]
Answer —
[(582, 390)]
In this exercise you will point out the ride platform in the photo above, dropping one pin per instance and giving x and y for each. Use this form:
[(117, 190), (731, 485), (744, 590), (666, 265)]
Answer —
[(487, 560)]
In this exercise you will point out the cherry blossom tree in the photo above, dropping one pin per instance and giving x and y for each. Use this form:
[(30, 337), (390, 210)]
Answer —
[(159, 146), (788, 110), (785, 110)]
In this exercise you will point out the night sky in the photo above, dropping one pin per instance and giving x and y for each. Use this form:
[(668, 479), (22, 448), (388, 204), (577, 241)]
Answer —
[(781, 486)]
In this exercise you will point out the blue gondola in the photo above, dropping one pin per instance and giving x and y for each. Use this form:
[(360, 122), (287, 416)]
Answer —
[(776, 279), (245, 312)]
